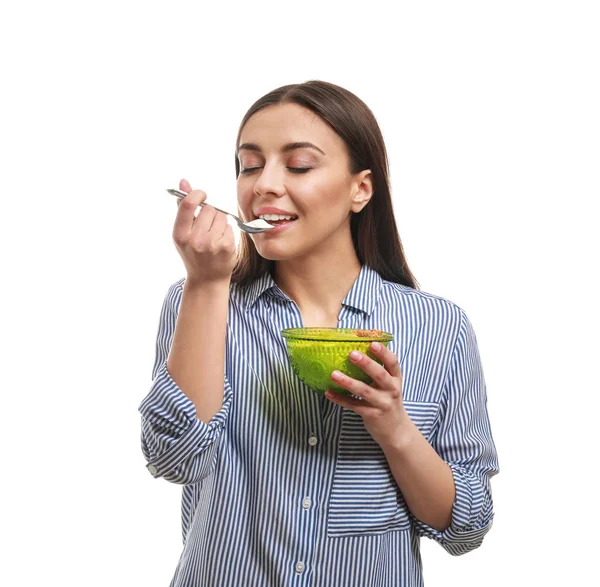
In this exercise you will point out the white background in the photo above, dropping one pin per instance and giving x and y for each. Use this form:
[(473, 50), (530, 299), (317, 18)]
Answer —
[(490, 111)]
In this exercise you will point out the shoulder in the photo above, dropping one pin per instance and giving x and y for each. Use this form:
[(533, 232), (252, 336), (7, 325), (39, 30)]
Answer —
[(177, 286), (174, 293), (407, 298), (430, 313), (238, 295), (434, 319)]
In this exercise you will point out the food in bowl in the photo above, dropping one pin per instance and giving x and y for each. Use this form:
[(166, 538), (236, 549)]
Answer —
[(368, 333), (315, 352)]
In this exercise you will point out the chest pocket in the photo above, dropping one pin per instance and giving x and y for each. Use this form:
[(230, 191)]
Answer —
[(365, 498)]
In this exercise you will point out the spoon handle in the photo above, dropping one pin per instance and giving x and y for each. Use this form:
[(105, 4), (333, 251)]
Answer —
[(179, 194)]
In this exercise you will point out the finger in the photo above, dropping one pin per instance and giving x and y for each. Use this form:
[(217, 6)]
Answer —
[(388, 358), (184, 221), (225, 234), (204, 220), (357, 388), (210, 220), (378, 373), (227, 241), (184, 186), (361, 407), (219, 224)]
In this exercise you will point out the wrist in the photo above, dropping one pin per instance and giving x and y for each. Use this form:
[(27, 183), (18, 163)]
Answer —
[(208, 286), (404, 438)]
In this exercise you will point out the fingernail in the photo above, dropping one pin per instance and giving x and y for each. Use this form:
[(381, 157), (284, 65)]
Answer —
[(355, 355), (376, 346), (336, 375)]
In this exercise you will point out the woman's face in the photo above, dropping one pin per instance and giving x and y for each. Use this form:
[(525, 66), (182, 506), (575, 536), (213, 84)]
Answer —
[(293, 163)]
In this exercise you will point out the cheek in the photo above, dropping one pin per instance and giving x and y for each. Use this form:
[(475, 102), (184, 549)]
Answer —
[(244, 199), (326, 202)]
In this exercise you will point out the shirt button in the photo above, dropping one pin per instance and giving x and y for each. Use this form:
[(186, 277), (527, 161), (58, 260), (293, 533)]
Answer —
[(299, 567), (306, 503), (312, 440), (153, 470)]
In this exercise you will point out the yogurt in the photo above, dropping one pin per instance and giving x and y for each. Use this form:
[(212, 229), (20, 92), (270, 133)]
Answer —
[(259, 223)]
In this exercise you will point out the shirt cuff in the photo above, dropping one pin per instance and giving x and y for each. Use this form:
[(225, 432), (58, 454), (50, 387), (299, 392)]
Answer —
[(472, 514), (176, 443)]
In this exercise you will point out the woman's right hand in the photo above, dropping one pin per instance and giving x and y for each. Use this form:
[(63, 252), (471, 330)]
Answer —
[(206, 243)]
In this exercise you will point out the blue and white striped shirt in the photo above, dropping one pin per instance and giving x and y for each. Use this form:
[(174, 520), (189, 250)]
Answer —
[(283, 487)]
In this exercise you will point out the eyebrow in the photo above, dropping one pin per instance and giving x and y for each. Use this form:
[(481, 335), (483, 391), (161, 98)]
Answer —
[(285, 149)]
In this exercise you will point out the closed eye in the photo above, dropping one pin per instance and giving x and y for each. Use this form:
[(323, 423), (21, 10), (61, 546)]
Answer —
[(249, 170)]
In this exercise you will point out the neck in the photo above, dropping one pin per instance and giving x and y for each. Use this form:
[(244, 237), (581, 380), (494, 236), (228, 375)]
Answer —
[(319, 284)]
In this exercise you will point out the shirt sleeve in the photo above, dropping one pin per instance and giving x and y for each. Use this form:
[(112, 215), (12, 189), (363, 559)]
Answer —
[(464, 441), (176, 444)]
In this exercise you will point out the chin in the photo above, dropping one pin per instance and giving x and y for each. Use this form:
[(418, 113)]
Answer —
[(275, 257), (272, 254), (275, 253)]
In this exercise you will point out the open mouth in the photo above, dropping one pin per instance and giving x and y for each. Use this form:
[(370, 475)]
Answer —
[(275, 221)]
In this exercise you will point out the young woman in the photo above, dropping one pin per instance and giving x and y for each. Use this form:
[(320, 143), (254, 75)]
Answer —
[(283, 486)]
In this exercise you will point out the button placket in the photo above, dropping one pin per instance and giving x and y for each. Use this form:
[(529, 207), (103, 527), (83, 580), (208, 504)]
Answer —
[(307, 503)]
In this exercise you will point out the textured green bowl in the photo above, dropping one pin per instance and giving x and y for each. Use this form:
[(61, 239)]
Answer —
[(316, 352)]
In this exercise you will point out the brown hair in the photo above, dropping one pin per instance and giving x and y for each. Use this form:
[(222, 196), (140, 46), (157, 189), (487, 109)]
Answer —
[(374, 232)]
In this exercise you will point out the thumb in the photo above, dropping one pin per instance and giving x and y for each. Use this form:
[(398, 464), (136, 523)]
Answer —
[(184, 186)]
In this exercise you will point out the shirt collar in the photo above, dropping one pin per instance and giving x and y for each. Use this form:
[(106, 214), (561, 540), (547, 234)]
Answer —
[(258, 287), (363, 294)]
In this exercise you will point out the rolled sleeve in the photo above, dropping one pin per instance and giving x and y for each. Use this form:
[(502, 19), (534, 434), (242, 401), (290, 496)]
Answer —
[(176, 444), (464, 441)]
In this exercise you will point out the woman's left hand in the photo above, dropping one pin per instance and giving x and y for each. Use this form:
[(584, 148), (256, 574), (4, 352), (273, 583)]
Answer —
[(380, 404)]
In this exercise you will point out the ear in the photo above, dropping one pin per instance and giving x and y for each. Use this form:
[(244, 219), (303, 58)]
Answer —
[(362, 186)]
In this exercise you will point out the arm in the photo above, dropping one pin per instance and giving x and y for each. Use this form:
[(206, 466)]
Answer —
[(424, 478), (445, 485), (184, 414), (464, 441), (197, 358)]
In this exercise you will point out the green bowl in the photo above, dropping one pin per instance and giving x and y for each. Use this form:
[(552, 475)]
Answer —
[(316, 352)]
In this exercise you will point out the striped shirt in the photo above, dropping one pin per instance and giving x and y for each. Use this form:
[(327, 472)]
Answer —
[(283, 487)]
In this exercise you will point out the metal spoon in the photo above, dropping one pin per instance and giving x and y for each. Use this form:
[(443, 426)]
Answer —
[(258, 225)]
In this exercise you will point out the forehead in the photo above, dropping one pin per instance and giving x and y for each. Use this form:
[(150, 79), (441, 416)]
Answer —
[(275, 126)]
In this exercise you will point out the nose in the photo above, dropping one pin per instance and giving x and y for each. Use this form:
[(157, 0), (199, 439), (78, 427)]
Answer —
[(269, 181)]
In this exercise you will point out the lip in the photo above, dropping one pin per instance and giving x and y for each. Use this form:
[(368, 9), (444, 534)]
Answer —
[(278, 228), (271, 210)]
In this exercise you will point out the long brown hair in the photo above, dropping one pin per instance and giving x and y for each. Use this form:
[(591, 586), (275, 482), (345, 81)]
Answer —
[(374, 232)]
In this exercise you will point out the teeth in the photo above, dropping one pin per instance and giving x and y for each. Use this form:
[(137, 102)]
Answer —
[(275, 217)]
